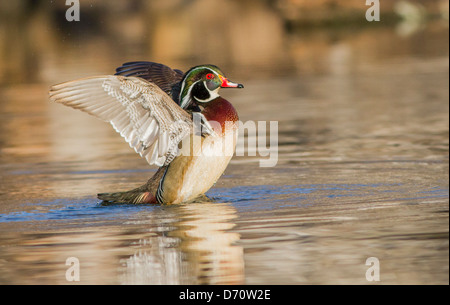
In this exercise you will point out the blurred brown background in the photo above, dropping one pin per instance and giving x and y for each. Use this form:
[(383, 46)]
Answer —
[(255, 38)]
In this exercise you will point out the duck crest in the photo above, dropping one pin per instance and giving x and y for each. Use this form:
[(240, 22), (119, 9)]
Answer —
[(192, 78)]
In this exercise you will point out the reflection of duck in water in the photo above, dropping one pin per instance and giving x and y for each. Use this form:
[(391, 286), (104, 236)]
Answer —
[(154, 108), (197, 248)]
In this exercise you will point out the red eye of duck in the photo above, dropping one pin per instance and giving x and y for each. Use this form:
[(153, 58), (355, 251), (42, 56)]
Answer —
[(209, 76)]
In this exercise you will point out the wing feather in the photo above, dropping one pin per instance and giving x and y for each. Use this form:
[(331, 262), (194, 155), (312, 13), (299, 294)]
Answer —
[(163, 76), (149, 120)]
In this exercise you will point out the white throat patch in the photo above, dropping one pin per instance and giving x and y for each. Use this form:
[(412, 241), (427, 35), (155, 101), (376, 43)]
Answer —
[(212, 94)]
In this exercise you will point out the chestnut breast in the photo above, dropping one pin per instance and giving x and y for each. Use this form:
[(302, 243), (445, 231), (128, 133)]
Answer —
[(221, 111)]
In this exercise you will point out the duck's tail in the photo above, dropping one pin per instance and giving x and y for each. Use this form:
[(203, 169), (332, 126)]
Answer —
[(130, 197), (144, 194)]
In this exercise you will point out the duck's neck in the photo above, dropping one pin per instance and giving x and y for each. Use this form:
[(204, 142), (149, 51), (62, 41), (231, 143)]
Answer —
[(221, 111)]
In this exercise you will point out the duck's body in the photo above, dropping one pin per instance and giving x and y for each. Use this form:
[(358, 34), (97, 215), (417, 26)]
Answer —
[(147, 116), (204, 159)]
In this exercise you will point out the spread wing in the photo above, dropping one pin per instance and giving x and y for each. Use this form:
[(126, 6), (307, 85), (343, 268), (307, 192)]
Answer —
[(149, 120), (169, 80)]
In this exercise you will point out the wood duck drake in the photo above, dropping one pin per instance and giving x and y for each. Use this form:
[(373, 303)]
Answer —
[(156, 109)]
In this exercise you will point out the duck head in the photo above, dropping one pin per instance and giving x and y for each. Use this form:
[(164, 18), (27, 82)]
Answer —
[(201, 84)]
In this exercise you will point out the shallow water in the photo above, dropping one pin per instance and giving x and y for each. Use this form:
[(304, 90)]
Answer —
[(362, 172)]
